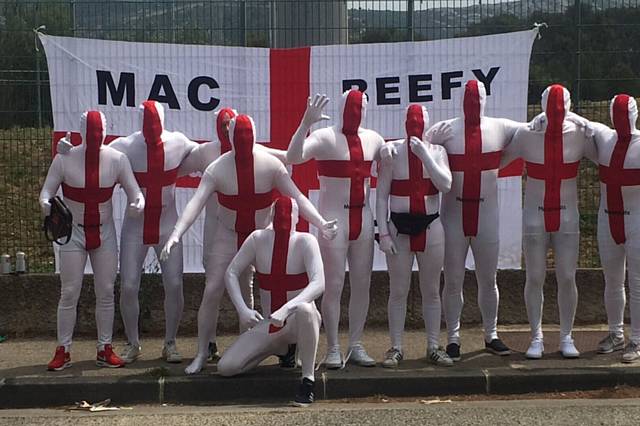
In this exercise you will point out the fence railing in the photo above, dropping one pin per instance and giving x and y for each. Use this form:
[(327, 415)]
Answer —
[(589, 46)]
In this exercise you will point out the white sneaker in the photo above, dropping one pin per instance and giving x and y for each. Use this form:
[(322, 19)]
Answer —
[(568, 349), (536, 349), (631, 353), (333, 359), (392, 358), (438, 356), (359, 356), (170, 353), (130, 353)]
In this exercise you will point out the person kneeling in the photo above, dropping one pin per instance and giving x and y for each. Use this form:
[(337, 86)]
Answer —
[(290, 275)]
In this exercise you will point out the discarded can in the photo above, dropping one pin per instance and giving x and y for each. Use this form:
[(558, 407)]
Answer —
[(5, 264), (21, 264)]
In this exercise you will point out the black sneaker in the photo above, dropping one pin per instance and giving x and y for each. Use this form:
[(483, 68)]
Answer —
[(214, 355), (497, 347), (304, 396), (288, 360), (453, 350)]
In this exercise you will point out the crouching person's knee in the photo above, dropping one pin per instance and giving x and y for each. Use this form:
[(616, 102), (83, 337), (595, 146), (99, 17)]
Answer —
[(228, 367)]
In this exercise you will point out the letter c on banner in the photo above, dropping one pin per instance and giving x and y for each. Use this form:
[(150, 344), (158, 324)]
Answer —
[(194, 87)]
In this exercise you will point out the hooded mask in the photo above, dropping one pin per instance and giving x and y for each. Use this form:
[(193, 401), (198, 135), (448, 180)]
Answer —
[(417, 121), (475, 98), (352, 109), (223, 118), (285, 215), (624, 114), (556, 102), (152, 122), (243, 136), (93, 129)]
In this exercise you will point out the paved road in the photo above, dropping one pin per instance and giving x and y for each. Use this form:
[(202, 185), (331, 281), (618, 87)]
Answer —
[(515, 412)]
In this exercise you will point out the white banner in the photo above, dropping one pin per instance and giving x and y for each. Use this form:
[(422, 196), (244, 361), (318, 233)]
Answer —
[(272, 85)]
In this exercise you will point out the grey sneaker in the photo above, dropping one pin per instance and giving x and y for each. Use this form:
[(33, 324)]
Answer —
[(130, 353), (438, 356), (358, 355), (392, 357), (170, 353), (611, 343), (333, 359), (631, 353)]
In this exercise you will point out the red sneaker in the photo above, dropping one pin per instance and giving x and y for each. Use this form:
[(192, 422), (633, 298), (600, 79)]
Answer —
[(108, 358), (60, 361)]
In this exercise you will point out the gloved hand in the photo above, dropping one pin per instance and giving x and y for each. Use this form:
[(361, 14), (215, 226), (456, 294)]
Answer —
[(64, 145), (313, 114), (329, 229), (166, 250), (249, 318), (387, 245), (137, 207), (279, 317)]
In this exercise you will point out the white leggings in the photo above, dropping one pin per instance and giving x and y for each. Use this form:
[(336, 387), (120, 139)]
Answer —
[(104, 262), (614, 258), (256, 344), (359, 254), (131, 260), (400, 270), (565, 248), (485, 255)]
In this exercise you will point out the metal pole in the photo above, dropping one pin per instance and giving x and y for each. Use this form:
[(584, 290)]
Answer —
[(577, 95), (38, 81), (410, 19)]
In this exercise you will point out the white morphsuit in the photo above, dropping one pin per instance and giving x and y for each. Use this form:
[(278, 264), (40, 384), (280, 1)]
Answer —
[(619, 214), (155, 155), (88, 174), (290, 275), (344, 154), (198, 161), (550, 215), (244, 180), (470, 210), (410, 182)]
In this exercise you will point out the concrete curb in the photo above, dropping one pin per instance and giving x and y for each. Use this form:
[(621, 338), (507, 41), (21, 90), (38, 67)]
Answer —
[(272, 384)]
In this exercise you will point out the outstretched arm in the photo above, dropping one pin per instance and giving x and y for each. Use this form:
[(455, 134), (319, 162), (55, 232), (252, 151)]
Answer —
[(301, 146), (512, 151), (285, 185), (385, 174), (194, 161), (51, 185), (245, 257), (435, 160), (190, 212), (313, 290), (278, 153)]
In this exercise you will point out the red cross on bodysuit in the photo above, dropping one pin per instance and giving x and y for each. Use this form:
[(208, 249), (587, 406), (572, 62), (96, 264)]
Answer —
[(554, 170), (473, 162), (417, 186), (92, 194), (615, 176), (247, 202), (156, 177), (356, 169), (278, 282)]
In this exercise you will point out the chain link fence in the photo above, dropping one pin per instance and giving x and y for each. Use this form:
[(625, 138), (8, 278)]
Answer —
[(589, 46)]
